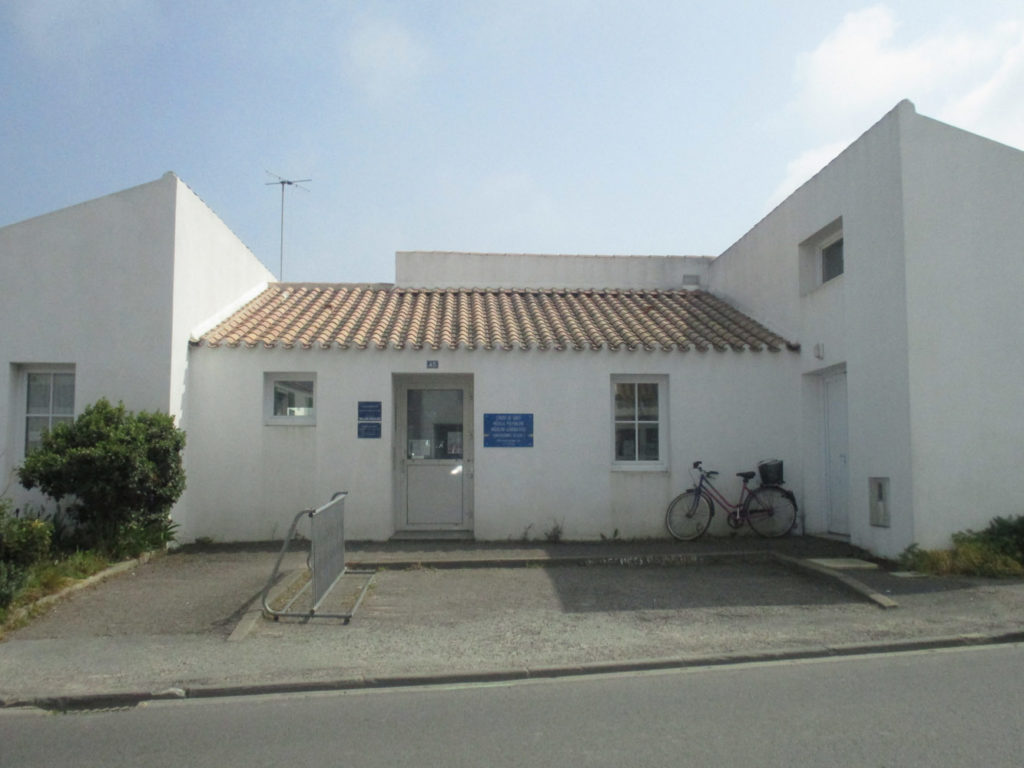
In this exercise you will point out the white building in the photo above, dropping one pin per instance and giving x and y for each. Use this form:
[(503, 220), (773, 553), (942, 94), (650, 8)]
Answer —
[(911, 405), (866, 332), (100, 300)]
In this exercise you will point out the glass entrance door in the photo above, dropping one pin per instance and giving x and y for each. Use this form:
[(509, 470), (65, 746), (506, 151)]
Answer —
[(434, 469)]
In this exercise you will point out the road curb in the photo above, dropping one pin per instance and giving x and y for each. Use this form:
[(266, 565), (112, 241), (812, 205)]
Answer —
[(128, 699)]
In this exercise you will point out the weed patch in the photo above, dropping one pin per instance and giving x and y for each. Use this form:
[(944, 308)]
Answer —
[(21, 587), (995, 552), (553, 535)]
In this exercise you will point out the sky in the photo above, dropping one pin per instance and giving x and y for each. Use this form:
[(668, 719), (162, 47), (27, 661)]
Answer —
[(514, 126)]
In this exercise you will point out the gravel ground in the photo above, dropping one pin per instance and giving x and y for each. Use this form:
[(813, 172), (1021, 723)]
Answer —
[(167, 623)]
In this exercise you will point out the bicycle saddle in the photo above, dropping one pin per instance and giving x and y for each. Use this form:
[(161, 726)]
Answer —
[(745, 475)]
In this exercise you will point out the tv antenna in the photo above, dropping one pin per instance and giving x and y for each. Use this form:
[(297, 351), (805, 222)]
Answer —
[(285, 183)]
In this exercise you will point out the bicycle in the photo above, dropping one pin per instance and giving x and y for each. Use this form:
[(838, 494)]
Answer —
[(769, 509)]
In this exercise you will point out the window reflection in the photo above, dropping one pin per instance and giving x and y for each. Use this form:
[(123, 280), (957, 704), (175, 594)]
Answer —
[(434, 423)]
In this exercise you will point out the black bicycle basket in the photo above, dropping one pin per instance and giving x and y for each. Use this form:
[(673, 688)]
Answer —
[(771, 471)]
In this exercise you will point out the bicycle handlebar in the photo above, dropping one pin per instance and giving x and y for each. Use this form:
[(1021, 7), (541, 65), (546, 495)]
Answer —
[(705, 472)]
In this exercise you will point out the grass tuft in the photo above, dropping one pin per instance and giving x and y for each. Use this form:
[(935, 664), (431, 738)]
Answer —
[(995, 552), (48, 577)]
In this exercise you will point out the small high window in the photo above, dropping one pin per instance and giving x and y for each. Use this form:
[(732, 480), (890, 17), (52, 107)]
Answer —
[(832, 260), (822, 257)]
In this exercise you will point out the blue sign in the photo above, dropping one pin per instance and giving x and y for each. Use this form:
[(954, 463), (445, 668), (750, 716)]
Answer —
[(508, 430), (369, 429), (369, 410), (433, 364)]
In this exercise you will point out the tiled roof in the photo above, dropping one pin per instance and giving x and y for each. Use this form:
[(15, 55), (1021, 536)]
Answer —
[(326, 315)]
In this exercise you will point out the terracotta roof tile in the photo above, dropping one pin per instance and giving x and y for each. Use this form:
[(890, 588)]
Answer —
[(380, 316)]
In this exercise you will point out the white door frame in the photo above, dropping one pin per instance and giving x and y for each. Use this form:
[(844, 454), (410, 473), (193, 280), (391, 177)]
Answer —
[(402, 384), (836, 453)]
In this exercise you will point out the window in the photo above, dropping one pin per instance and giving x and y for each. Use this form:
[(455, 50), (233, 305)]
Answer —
[(639, 419), (290, 398), (822, 257), (49, 401), (832, 260)]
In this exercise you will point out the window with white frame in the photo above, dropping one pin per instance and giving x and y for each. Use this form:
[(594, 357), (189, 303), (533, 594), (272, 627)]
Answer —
[(639, 427), (289, 398), (49, 401)]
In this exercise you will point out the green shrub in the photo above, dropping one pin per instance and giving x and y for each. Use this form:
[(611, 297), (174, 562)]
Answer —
[(1006, 535), (995, 552), (121, 471), (12, 578), (134, 538), (980, 558), (24, 541)]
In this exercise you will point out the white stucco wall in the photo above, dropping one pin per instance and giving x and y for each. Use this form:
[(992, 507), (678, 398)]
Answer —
[(213, 269), (438, 269), (964, 202), (88, 286), (247, 480), (925, 320), (856, 321)]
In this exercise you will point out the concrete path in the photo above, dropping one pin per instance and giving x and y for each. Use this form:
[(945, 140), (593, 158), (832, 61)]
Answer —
[(189, 623)]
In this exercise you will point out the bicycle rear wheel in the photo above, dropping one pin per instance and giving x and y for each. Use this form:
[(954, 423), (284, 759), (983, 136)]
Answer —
[(771, 511), (688, 515)]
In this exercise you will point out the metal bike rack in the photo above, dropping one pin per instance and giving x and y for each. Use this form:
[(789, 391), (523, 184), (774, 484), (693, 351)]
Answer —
[(326, 560)]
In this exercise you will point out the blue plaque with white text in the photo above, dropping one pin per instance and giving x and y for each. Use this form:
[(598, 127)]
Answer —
[(369, 410), (369, 429), (508, 430)]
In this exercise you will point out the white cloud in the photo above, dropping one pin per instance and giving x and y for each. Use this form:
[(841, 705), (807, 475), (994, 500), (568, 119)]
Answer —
[(994, 105), (383, 59), (862, 68), (972, 78), (71, 31)]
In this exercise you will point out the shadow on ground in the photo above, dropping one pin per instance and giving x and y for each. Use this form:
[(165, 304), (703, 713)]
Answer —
[(582, 589)]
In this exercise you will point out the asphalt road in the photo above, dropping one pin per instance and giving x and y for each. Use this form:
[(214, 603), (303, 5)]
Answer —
[(936, 708)]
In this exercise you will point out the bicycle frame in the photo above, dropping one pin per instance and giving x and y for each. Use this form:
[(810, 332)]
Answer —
[(705, 485)]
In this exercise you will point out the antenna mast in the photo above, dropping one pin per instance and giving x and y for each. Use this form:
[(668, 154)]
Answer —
[(291, 183)]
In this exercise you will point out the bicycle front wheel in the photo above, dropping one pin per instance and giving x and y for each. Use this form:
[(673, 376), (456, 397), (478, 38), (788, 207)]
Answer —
[(771, 511), (688, 515)]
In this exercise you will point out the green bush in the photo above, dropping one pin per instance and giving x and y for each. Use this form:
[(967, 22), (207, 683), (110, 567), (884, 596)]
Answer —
[(121, 471), (133, 538), (12, 578), (23, 541), (1005, 535), (980, 558), (995, 552)]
